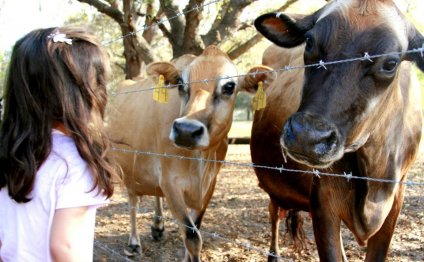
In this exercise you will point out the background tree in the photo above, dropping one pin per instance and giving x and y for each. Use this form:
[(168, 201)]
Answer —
[(4, 59), (182, 29)]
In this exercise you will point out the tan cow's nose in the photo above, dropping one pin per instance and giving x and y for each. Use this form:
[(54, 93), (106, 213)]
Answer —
[(187, 133)]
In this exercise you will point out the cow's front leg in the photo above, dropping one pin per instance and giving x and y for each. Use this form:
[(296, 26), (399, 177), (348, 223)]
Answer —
[(197, 215), (192, 241), (326, 225), (189, 232), (378, 244), (134, 246), (158, 225)]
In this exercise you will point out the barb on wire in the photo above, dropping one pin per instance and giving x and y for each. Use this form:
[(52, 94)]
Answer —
[(109, 250), (196, 8), (314, 172), (367, 57), (215, 235), (320, 64)]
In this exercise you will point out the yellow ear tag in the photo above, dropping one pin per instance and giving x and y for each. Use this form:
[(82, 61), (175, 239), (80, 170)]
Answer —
[(259, 100), (160, 93)]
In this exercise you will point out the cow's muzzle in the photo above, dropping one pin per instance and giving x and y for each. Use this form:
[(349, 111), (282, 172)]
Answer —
[(311, 140), (188, 133)]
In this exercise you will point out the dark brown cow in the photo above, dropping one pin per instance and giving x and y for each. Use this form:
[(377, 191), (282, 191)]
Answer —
[(362, 117)]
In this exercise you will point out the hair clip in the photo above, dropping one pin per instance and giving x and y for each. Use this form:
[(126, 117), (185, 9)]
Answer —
[(59, 37)]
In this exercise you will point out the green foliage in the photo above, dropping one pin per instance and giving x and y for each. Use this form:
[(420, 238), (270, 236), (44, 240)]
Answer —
[(106, 30), (4, 61), (421, 83), (244, 106)]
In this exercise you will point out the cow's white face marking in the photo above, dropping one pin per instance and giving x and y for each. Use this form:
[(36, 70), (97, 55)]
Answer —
[(392, 19), (387, 14), (335, 5), (207, 100)]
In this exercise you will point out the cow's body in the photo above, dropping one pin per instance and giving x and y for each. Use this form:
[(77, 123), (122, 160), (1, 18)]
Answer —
[(361, 117), (194, 123)]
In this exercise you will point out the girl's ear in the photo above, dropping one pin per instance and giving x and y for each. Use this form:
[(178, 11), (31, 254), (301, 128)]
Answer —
[(284, 30)]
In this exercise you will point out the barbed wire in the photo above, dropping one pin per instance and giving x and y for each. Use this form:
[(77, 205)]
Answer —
[(214, 235), (109, 250), (244, 244), (320, 64), (197, 8), (313, 172)]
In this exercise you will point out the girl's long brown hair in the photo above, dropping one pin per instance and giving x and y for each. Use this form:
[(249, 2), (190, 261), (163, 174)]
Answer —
[(54, 82)]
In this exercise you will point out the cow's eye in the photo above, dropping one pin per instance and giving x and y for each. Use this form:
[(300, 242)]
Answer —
[(228, 88), (180, 84), (390, 66), (309, 40)]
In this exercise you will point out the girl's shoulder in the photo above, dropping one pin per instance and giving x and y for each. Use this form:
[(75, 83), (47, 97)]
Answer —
[(64, 161), (64, 148)]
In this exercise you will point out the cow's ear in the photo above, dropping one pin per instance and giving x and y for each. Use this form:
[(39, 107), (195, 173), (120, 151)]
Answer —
[(284, 30), (166, 69), (416, 41), (249, 82)]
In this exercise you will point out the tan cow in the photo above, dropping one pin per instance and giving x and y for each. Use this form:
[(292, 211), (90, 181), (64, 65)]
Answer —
[(194, 123), (361, 116)]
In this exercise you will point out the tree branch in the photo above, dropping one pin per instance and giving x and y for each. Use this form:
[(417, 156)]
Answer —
[(192, 42), (110, 11), (228, 23), (165, 32), (149, 33), (241, 49), (177, 22)]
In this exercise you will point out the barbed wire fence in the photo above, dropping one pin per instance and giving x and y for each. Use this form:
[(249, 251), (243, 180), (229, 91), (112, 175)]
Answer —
[(321, 64)]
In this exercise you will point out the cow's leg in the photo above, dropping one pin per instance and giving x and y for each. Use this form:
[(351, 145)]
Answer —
[(190, 234), (158, 225), (134, 246), (326, 226), (344, 257), (378, 244), (275, 223), (197, 215)]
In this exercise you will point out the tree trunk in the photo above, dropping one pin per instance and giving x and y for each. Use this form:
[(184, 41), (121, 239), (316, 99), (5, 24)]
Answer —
[(136, 51)]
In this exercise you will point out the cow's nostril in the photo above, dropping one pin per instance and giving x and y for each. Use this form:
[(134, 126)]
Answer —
[(331, 140), (198, 132)]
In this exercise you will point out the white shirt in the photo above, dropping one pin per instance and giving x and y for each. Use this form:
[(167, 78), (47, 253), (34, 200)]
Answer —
[(63, 181)]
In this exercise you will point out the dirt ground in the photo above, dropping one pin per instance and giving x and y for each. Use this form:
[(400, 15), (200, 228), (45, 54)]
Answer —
[(236, 228)]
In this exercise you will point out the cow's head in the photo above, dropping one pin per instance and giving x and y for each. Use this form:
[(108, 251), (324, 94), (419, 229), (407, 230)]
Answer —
[(206, 106), (341, 103)]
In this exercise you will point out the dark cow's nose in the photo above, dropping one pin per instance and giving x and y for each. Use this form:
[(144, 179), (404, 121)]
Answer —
[(187, 133), (310, 136)]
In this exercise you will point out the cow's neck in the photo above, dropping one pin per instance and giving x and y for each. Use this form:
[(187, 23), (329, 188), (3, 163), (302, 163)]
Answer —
[(383, 161)]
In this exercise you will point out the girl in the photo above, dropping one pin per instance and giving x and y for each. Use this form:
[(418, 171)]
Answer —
[(54, 172)]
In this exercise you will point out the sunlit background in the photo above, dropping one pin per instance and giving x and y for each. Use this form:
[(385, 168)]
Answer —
[(19, 17)]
